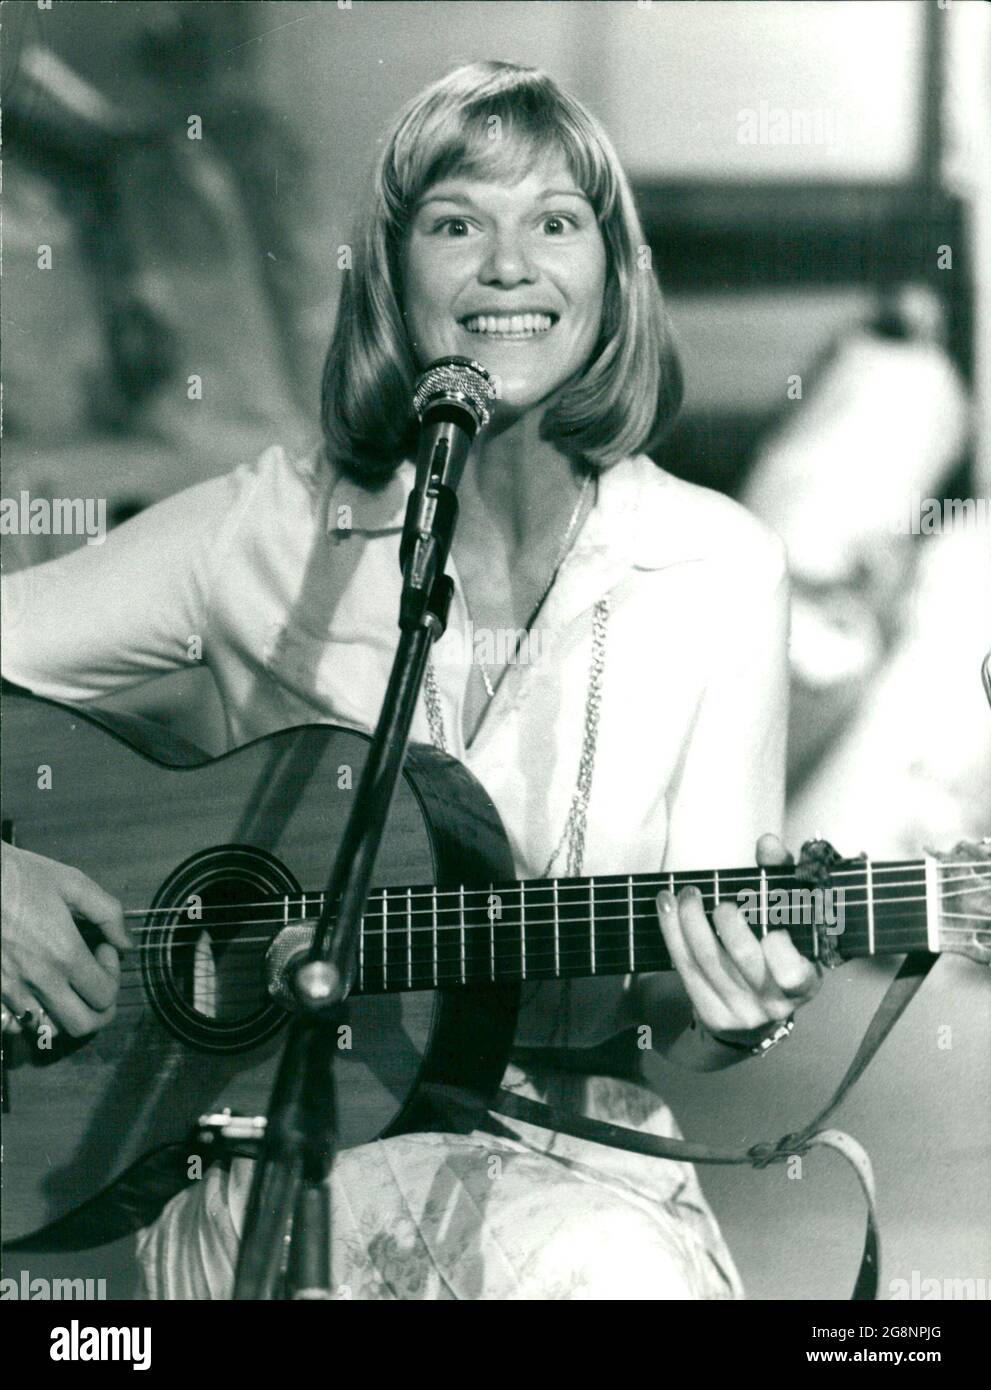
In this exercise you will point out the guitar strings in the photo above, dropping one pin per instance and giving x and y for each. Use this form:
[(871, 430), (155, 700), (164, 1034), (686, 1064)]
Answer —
[(639, 923), (468, 895), (422, 978), (545, 965), (604, 940), (773, 873), (508, 957), (606, 945), (402, 924), (438, 972), (435, 973)]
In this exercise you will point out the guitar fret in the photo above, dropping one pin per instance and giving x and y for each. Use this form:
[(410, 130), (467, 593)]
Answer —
[(629, 912), (361, 949), (522, 934), (932, 901), (409, 937), (433, 932), (461, 925), (870, 907), (557, 933), (715, 889), (285, 911), (492, 959), (763, 902), (385, 948), (591, 913)]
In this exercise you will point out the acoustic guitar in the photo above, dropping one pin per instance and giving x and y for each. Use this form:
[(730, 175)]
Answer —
[(218, 864)]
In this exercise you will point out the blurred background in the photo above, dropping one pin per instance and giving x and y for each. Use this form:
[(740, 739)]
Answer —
[(815, 187)]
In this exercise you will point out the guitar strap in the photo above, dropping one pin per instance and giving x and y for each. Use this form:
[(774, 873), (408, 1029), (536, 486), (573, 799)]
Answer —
[(897, 997)]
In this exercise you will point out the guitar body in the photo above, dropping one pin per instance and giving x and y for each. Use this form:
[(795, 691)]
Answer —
[(98, 1132)]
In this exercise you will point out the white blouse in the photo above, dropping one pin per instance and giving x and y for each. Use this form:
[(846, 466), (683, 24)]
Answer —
[(289, 577)]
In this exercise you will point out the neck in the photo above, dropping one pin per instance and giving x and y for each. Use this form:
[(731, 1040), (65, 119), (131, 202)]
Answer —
[(517, 491)]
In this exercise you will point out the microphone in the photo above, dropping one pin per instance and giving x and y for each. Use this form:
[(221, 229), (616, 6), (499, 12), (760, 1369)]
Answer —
[(287, 949), (450, 402)]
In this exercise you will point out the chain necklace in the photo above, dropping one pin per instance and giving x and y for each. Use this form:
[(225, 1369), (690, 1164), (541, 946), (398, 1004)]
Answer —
[(573, 834), (563, 549), (574, 827), (430, 690)]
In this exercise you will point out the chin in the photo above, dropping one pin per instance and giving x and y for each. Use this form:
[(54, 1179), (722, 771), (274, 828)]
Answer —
[(525, 394), (513, 404)]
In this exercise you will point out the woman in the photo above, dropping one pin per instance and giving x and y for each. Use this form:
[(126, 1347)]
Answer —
[(645, 730)]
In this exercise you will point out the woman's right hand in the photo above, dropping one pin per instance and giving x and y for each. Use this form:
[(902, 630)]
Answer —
[(46, 965)]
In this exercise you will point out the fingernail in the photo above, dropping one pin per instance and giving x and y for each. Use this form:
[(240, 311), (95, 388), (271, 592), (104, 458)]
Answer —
[(665, 902), (690, 893)]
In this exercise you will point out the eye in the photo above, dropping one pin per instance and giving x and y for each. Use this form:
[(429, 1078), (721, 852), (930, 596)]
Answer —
[(561, 220), (453, 222)]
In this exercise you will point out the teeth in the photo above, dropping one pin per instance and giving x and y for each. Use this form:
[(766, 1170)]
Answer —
[(519, 324)]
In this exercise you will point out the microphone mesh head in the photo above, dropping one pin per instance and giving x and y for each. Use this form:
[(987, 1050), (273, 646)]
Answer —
[(289, 946), (459, 379)]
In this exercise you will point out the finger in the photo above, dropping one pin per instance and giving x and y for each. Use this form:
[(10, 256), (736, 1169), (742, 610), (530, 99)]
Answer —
[(20, 1001), (772, 850), (8, 1023), (23, 1009), (715, 965), (96, 986), (706, 1001), (794, 977), (108, 960), (87, 899), (740, 944), (67, 1010)]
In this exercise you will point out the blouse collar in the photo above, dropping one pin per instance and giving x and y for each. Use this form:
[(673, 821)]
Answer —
[(635, 521)]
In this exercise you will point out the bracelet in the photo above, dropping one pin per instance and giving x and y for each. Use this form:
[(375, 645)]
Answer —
[(760, 1049)]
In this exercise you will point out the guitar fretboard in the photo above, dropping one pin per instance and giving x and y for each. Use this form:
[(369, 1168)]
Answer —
[(553, 929)]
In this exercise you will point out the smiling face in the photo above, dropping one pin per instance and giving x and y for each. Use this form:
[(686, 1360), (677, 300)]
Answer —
[(512, 276)]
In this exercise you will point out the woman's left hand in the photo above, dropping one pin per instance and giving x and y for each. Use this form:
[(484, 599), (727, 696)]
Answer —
[(741, 986)]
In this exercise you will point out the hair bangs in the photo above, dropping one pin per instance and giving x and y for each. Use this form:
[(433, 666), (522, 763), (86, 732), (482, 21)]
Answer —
[(499, 134)]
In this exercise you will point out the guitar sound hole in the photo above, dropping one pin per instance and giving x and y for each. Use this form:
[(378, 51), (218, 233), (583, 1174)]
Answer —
[(219, 970), (206, 938)]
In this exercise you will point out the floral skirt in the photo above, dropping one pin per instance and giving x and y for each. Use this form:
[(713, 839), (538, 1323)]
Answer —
[(473, 1216)]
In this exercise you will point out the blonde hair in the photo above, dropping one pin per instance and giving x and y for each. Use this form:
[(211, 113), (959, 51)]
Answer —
[(631, 388)]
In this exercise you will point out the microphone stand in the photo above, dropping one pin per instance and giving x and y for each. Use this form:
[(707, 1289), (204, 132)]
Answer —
[(291, 1178)]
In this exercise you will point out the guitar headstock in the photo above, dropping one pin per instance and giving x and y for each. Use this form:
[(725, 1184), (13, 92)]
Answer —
[(965, 900)]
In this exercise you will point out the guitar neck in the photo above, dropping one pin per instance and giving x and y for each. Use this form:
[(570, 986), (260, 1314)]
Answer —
[(550, 929)]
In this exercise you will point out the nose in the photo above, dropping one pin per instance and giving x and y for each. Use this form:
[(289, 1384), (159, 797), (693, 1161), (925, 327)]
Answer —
[(507, 261)]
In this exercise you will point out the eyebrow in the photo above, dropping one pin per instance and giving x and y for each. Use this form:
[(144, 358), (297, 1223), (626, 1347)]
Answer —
[(467, 198)]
